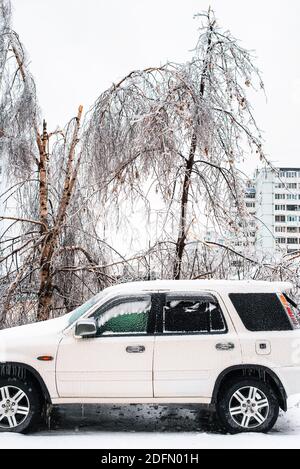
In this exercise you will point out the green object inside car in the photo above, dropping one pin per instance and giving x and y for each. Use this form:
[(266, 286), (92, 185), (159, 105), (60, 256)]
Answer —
[(126, 323)]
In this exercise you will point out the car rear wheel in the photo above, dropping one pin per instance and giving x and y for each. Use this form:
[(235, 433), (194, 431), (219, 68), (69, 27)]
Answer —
[(20, 405), (247, 405)]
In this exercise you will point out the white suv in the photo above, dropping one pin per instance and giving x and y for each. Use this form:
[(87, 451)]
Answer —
[(234, 346)]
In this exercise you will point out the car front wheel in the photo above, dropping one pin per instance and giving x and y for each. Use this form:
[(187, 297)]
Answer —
[(20, 405), (247, 405)]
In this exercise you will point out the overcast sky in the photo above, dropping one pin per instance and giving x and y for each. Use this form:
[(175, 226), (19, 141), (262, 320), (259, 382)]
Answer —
[(78, 48)]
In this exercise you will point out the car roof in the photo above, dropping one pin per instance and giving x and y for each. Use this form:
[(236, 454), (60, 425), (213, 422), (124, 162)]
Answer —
[(220, 286)]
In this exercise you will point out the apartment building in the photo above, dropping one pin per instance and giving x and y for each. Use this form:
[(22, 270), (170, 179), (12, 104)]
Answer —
[(277, 209), (238, 240), (273, 201), (250, 201)]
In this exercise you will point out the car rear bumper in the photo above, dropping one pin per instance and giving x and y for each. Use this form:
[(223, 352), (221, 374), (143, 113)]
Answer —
[(290, 378)]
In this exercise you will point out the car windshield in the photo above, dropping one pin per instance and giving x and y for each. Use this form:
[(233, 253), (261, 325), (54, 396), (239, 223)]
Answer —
[(81, 310)]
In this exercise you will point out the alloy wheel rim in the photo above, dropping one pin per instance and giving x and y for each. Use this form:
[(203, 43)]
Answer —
[(249, 407), (14, 407)]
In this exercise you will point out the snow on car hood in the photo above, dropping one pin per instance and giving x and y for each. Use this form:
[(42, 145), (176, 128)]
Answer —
[(37, 328), (42, 334)]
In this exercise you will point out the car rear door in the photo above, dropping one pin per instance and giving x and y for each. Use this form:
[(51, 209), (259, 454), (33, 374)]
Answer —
[(195, 342)]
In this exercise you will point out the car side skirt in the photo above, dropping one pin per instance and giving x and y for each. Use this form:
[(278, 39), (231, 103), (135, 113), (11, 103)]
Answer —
[(144, 400)]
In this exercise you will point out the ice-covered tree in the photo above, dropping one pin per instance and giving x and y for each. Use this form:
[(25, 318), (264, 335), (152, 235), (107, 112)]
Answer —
[(185, 127), (48, 259)]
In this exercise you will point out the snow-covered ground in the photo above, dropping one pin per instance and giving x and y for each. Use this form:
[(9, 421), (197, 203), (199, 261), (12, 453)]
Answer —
[(155, 427)]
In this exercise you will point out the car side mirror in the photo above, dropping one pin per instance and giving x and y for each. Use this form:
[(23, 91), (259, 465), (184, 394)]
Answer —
[(86, 328)]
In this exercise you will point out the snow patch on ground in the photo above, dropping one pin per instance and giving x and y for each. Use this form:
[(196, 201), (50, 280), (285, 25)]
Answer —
[(149, 427)]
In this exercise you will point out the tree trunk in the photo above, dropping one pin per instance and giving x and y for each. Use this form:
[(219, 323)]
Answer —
[(46, 288), (181, 241), (180, 245), (45, 296), (43, 179)]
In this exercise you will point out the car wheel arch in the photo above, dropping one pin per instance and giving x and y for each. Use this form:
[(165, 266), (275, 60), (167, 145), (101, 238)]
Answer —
[(264, 373), (22, 371)]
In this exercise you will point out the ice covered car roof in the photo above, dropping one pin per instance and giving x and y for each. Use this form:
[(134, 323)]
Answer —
[(226, 286)]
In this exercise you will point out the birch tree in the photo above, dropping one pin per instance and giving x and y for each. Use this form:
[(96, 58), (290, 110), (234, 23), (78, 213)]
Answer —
[(44, 243), (185, 127)]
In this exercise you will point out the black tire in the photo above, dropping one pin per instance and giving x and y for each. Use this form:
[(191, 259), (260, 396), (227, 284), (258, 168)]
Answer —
[(32, 401), (227, 402)]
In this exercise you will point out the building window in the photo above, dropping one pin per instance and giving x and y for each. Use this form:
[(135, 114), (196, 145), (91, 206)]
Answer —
[(292, 241), (280, 207), (281, 240), (280, 196), (292, 208), (280, 229), (288, 185), (292, 218), (280, 219), (288, 174)]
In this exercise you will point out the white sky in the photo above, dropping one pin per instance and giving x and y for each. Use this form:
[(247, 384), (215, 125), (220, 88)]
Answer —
[(79, 47)]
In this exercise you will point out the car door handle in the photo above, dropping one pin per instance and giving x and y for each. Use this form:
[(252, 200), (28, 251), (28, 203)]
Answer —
[(135, 349), (225, 346)]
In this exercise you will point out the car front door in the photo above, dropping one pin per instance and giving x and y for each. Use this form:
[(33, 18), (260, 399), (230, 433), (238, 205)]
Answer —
[(118, 362), (195, 342)]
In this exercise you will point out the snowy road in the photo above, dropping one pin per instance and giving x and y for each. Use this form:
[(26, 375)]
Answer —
[(158, 427)]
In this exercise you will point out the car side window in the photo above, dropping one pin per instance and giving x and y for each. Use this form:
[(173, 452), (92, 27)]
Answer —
[(261, 311), (124, 316), (192, 315)]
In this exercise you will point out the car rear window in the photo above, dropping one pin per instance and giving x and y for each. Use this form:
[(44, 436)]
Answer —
[(261, 311)]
